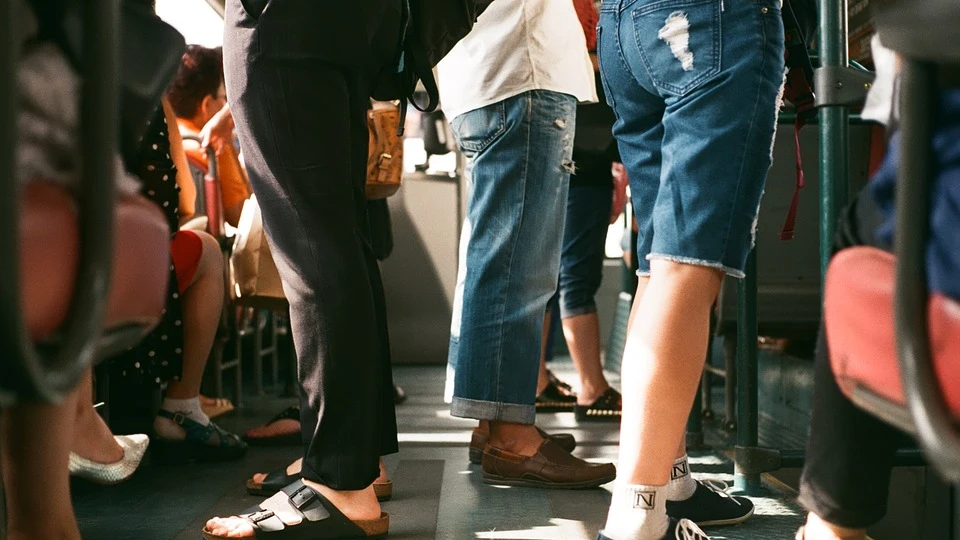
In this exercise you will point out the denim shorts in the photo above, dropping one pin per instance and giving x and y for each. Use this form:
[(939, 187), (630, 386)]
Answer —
[(696, 86)]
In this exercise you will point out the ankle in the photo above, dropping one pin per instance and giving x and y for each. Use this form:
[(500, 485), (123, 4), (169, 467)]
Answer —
[(818, 529), (522, 439), (590, 392), (356, 505)]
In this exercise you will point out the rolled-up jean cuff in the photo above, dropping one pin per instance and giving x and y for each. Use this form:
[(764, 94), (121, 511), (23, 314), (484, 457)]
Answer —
[(577, 311), (830, 513), (732, 272), (493, 411)]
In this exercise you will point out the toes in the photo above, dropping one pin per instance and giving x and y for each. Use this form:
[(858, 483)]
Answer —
[(232, 527), (259, 478)]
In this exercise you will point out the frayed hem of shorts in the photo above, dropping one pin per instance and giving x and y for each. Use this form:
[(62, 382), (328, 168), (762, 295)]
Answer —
[(730, 271)]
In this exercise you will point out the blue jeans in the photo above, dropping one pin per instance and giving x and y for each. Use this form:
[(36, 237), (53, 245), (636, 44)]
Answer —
[(584, 243), (695, 86), (519, 153)]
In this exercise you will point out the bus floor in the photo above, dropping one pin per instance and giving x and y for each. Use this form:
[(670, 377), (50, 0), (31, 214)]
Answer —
[(437, 493)]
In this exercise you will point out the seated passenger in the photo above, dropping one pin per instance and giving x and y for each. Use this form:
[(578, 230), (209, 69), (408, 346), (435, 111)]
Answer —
[(850, 453), (176, 351), (199, 99), (36, 439)]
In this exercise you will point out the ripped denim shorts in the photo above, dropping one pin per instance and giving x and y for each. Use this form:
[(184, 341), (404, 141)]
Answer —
[(696, 86)]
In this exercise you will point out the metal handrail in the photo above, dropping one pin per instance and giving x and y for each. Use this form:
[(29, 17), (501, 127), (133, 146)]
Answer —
[(215, 219), (47, 375), (934, 424)]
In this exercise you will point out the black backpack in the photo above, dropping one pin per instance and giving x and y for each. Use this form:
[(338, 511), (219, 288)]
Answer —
[(431, 29), (800, 25)]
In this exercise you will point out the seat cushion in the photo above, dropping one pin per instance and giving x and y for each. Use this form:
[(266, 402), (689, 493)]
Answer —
[(859, 318), (49, 252)]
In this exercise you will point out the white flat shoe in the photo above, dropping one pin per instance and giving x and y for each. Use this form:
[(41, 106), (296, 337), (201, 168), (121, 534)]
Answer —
[(134, 446)]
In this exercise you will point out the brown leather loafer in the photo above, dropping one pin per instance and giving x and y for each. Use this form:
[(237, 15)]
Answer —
[(479, 440), (551, 467)]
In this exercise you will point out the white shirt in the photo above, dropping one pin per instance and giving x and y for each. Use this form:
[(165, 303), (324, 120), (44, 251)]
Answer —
[(517, 46)]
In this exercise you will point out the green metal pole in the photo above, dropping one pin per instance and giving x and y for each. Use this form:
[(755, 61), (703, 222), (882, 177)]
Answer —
[(834, 131), (747, 376)]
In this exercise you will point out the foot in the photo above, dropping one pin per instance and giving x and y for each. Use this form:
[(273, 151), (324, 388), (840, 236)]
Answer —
[(518, 455), (133, 448), (479, 438), (282, 429), (93, 441), (357, 506), (608, 407), (294, 469), (555, 396), (178, 439), (710, 505)]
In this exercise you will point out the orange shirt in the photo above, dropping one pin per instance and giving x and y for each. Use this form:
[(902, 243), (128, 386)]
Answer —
[(234, 186)]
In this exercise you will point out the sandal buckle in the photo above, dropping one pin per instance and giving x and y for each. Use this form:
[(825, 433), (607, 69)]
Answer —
[(262, 515), (302, 497), (178, 418)]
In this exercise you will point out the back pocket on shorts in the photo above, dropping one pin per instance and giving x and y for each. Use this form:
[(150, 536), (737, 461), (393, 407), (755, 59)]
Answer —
[(679, 42)]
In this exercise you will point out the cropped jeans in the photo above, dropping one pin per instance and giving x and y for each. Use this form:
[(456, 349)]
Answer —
[(519, 153)]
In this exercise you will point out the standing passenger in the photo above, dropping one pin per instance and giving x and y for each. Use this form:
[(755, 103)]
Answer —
[(695, 87), (511, 87), (299, 74)]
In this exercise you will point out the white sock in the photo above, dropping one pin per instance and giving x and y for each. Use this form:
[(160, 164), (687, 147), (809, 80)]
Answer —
[(682, 486), (190, 408), (637, 512)]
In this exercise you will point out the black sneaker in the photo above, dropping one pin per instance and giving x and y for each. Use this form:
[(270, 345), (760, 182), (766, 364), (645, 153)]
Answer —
[(682, 529), (711, 505)]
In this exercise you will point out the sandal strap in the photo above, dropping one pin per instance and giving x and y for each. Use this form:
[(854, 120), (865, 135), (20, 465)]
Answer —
[(290, 413), (312, 507), (197, 432)]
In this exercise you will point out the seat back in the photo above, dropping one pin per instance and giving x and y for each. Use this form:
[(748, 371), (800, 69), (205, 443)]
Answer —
[(859, 319)]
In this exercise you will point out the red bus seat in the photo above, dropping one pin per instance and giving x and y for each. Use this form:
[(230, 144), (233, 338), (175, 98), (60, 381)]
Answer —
[(859, 319), (49, 251)]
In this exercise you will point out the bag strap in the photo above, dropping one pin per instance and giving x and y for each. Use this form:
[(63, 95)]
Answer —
[(799, 91)]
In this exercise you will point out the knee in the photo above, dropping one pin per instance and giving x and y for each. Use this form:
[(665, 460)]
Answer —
[(211, 256), (689, 279)]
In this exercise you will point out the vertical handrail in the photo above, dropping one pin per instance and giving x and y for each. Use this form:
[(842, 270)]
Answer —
[(834, 129), (934, 426), (47, 377), (746, 479)]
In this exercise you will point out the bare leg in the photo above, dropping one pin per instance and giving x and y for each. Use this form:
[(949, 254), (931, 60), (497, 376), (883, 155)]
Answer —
[(662, 364), (818, 529), (202, 304), (34, 445), (582, 333), (92, 439)]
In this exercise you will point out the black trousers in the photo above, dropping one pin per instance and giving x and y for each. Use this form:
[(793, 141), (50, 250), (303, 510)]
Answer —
[(299, 75), (850, 454)]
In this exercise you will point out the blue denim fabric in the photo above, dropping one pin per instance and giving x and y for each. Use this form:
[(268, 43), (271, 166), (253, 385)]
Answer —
[(943, 250), (695, 120), (519, 159), (584, 244)]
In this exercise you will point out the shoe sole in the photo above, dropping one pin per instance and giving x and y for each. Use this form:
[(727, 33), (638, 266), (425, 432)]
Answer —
[(497, 480), (723, 522), (598, 416)]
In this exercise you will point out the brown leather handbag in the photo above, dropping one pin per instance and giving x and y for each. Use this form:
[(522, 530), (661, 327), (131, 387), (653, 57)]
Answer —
[(385, 158)]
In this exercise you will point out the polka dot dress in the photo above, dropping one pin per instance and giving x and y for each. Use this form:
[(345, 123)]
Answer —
[(159, 357)]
